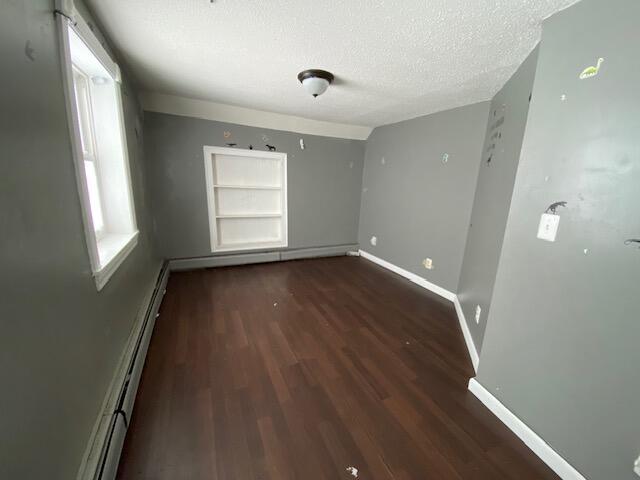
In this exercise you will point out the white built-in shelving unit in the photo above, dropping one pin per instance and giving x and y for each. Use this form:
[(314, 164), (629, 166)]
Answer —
[(247, 198)]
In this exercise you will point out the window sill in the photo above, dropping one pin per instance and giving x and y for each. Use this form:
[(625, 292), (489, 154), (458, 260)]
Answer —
[(113, 250)]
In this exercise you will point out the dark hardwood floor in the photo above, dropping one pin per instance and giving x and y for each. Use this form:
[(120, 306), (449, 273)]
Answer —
[(298, 370)]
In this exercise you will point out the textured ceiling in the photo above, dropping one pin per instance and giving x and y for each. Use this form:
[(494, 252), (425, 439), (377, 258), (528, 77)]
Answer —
[(393, 59)]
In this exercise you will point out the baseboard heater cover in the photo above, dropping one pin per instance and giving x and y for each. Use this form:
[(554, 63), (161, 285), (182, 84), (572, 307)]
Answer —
[(179, 264), (104, 465)]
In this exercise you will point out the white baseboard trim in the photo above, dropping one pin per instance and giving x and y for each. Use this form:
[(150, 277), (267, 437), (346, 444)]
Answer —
[(105, 443), (410, 276), (531, 439), (468, 339), (473, 352)]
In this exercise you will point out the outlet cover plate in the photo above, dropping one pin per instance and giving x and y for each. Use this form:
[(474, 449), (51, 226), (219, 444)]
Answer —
[(548, 228)]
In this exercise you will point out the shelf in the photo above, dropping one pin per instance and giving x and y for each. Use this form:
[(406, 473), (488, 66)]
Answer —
[(249, 187), (266, 244), (251, 215)]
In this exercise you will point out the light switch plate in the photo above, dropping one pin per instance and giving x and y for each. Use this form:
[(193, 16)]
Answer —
[(548, 228)]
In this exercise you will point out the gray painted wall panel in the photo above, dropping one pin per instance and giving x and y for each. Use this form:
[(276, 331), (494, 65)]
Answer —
[(416, 205), (500, 157), (561, 345), (324, 182), (61, 339)]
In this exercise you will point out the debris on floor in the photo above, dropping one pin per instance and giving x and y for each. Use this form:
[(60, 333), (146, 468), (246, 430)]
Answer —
[(353, 471)]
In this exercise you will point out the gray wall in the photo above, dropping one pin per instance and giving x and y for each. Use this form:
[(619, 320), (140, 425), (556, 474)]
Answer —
[(502, 145), (561, 346), (415, 204), (61, 339), (324, 182)]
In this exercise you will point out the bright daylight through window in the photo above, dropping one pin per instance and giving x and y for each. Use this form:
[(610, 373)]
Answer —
[(99, 144)]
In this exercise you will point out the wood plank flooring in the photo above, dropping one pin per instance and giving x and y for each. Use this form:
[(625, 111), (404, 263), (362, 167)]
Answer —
[(298, 370)]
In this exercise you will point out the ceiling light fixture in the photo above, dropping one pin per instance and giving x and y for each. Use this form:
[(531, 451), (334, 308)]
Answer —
[(315, 81)]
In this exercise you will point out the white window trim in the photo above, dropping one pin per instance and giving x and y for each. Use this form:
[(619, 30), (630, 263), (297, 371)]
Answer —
[(101, 272), (209, 151), (103, 275)]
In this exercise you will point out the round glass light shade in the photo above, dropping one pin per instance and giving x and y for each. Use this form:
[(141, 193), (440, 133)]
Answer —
[(315, 85)]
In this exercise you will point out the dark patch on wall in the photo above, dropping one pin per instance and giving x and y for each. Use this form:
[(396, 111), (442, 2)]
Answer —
[(632, 241), (495, 136), (29, 51)]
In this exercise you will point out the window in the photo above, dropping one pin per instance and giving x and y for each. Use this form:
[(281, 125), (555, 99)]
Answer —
[(92, 82), (247, 198)]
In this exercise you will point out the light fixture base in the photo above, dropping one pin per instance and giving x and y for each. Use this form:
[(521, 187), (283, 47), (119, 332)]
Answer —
[(315, 81)]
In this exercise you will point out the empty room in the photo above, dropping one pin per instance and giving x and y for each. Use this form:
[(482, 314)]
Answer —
[(320, 240)]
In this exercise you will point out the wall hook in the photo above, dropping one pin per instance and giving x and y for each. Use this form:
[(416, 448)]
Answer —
[(632, 241)]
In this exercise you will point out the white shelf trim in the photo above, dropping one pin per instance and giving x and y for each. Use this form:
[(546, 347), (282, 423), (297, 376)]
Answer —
[(249, 187), (215, 219), (251, 215)]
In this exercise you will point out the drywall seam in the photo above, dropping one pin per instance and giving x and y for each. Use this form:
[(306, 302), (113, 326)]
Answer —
[(410, 276), (180, 264), (97, 443), (531, 439), (189, 107), (468, 339)]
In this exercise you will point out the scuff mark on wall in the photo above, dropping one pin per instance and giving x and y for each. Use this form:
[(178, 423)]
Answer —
[(29, 51)]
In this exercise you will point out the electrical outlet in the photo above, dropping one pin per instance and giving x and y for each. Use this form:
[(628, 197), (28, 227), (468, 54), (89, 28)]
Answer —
[(478, 313), (636, 467), (548, 228), (428, 263), (374, 241)]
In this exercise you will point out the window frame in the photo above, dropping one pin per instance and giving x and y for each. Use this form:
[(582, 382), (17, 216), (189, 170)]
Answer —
[(118, 248), (209, 154), (88, 143)]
